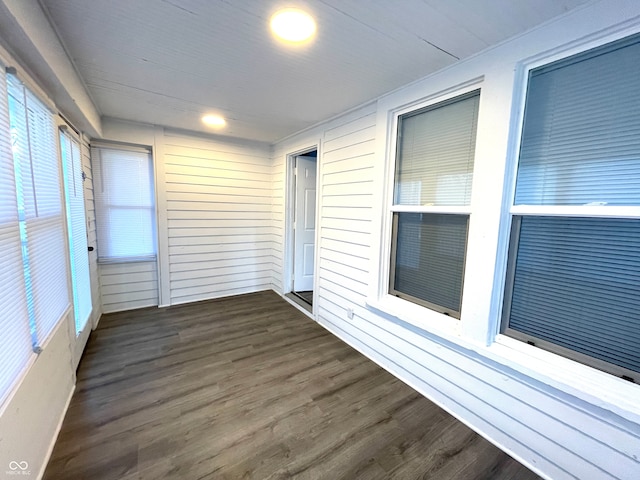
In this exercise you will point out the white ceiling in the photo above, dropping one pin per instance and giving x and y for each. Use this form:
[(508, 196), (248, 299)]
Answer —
[(167, 62)]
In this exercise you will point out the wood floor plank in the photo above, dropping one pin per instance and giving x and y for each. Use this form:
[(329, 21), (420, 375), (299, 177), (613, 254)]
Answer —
[(249, 388)]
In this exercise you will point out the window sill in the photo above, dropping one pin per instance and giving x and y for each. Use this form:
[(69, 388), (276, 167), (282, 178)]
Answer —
[(416, 315), (108, 261), (580, 381), (593, 386)]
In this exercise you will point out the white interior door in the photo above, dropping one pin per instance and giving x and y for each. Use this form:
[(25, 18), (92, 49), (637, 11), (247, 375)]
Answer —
[(305, 224), (78, 248)]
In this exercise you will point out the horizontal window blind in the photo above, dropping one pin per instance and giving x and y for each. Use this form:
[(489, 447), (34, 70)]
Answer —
[(429, 259), (573, 285), (39, 192), (77, 227), (577, 285), (125, 207), (15, 340), (435, 151), (580, 142)]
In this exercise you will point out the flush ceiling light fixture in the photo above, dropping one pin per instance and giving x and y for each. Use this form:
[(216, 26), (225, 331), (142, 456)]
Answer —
[(293, 25), (215, 121)]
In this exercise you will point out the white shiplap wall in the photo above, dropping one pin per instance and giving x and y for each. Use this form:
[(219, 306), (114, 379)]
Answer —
[(219, 220), (562, 429), (548, 430), (126, 286)]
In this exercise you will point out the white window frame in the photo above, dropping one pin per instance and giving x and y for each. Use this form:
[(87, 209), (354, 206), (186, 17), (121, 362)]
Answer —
[(379, 298), (568, 375)]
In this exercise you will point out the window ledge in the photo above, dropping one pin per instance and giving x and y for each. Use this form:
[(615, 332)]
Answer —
[(147, 258), (593, 386), (416, 315), (583, 382)]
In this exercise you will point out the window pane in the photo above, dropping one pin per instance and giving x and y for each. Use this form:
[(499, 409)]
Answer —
[(435, 153), (15, 337), (42, 230), (581, 135), (577, 285), (125, 213), (429, 258)]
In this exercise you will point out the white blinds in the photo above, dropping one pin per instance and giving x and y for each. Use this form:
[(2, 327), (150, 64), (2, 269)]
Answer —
[(125, 207), (15, 340), (580, 142), (38, 185), (77, 227), (435, 153)]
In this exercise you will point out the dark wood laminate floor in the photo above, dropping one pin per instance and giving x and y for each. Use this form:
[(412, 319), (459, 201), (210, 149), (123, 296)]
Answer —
[(250, 388)]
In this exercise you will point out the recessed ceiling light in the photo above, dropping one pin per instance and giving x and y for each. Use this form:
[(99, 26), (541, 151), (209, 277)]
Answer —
[(214, 121), (293, 25)]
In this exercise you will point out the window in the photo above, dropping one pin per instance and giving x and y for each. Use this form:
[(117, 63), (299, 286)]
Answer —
[(32, 243), (40, 209), (573, 279), (432, 192), (77, 227), (125, 208)]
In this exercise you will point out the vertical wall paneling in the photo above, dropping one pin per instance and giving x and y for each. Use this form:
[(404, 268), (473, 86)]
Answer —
[(219, 217)]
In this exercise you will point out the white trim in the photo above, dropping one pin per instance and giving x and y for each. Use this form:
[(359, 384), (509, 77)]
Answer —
[(577, 211), (289, 204), (561, 372), (575, 378), (127, 147), (299, 307), (458, 210), (378, 297), (161, 215)]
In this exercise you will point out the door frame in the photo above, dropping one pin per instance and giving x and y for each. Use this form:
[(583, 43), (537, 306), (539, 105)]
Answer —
[(78, 340), (289, 215)]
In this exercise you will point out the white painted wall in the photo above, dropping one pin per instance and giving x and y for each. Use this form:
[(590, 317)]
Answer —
[(218, 196), (562, 419), (127, 286), (215, 232), (31, 419)]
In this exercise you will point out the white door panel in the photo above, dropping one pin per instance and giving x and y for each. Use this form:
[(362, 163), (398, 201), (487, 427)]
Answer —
[(305, 224)]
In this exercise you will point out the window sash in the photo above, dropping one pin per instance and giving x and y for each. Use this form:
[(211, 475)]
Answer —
[(125, 204), (39, 193), (435, 149), (580, 144), (15, 341), (578, 272), (427, 263), (77, 228), (576, 193)]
